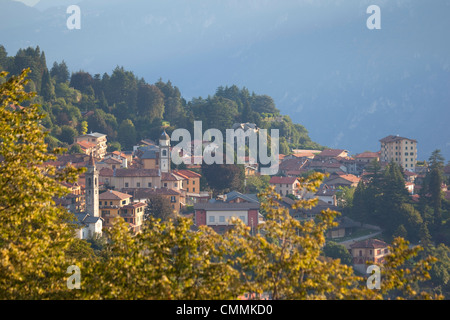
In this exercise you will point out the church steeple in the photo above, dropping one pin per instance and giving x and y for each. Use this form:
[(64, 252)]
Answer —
[(91, 178), (164, 152)]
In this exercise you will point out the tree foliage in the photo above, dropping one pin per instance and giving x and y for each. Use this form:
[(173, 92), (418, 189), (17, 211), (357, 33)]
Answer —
[(34, 233)]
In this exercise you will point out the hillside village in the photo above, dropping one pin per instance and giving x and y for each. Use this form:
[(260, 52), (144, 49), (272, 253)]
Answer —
[(119, 183)]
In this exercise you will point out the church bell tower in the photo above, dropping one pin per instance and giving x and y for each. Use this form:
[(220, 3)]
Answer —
[(91, 195), (164, 152)]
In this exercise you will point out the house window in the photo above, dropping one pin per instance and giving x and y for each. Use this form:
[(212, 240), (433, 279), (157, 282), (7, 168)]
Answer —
[(176, 185), (165, 184), (378, 251), (126, 184), (360, 253), (370, 252), (193, 182), (406, 165), (211, 219), (124, 201), (164, 153), (138, 184), (100, 203), (149, 184), (110, 203), (172, 199), (193, 189), (222, 219)]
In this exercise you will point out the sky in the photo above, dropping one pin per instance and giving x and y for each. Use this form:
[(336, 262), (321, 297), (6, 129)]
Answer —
[(348, 85)]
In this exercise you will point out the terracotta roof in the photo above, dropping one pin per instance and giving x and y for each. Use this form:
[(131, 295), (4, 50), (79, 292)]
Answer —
[(392, 138), (118, 153), (113, 195), (331, 152), (348, 177), (168, 176), (282, 180), (291, 164), (368, 155), (187, 174), (106, 172), (86, 145), (112, 161), (369, 243), (409, 173)]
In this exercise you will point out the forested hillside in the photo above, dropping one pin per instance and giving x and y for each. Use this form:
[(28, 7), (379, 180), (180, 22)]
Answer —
[(129, 109)]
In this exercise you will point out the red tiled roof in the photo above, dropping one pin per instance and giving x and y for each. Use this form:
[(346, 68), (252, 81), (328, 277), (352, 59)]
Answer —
[(112, 161), (368, 155), (331, 152), (350, 177), (370, 243), (283, 180), (113, 195), (86, 145), (166, 176), (291, 164), (106, 172), (188, 173)]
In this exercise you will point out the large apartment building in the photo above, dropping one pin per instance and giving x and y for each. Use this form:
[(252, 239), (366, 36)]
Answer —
[(400, 150)]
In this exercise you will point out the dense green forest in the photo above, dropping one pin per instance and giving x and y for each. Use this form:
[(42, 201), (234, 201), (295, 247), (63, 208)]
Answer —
[(129, 109)]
